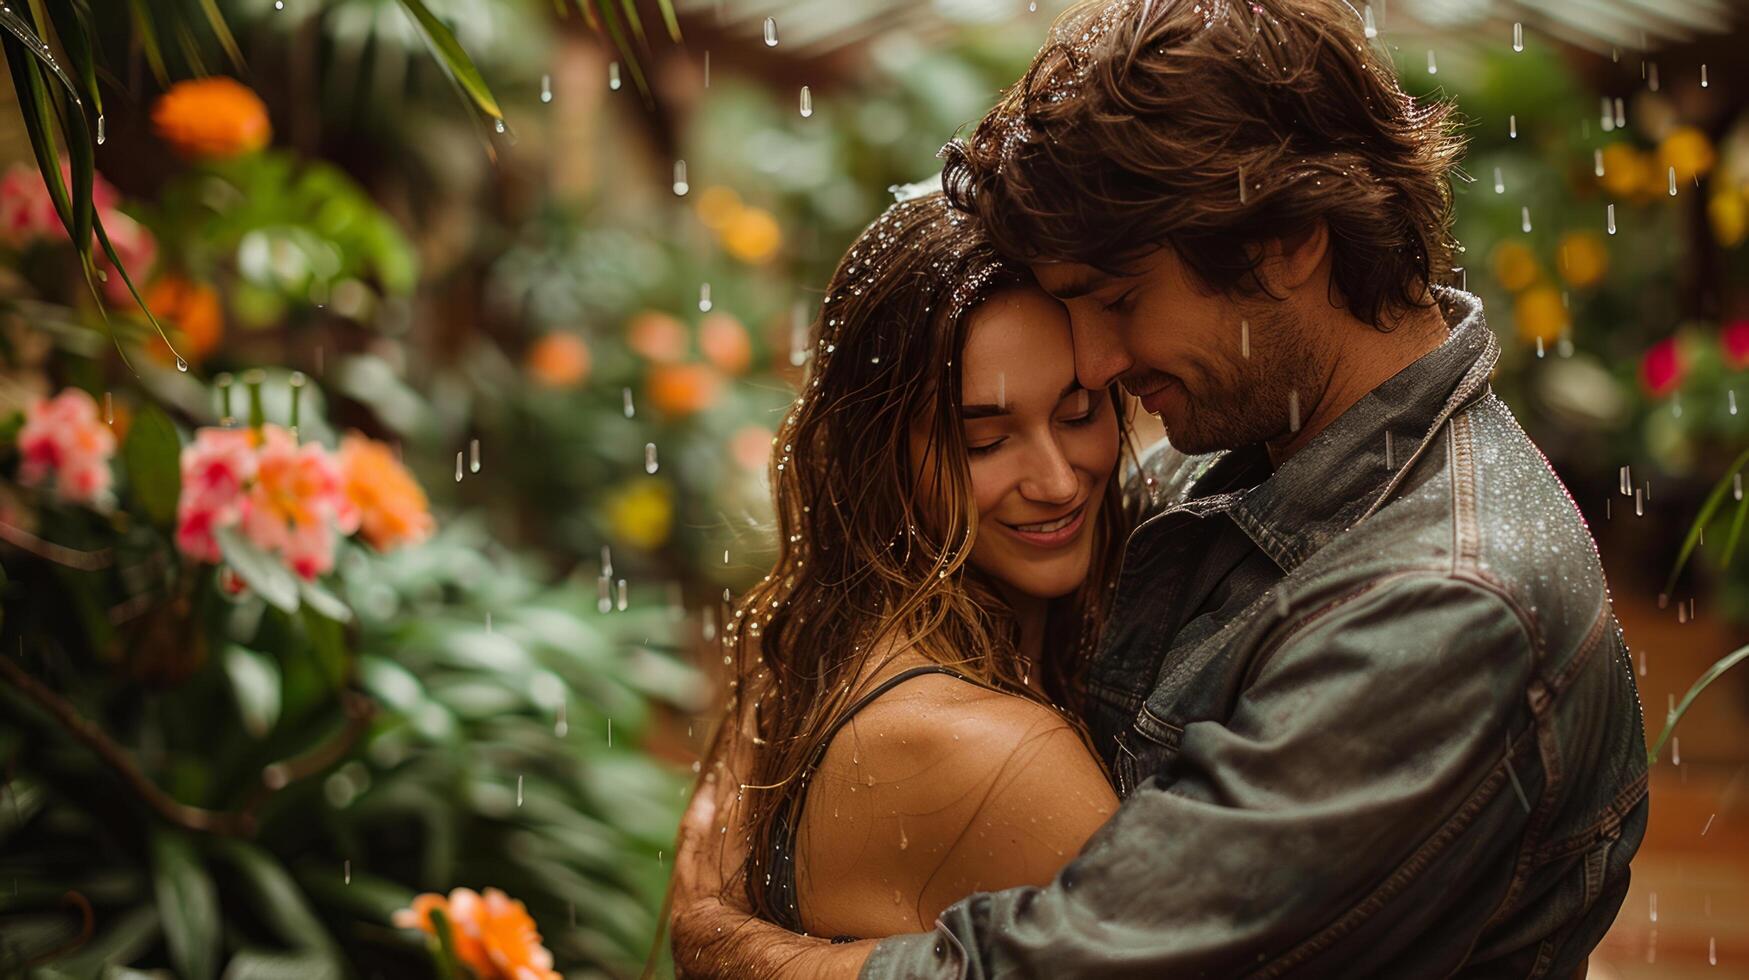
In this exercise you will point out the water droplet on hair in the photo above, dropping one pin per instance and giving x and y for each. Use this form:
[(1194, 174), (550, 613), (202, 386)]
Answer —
[(771, 32)]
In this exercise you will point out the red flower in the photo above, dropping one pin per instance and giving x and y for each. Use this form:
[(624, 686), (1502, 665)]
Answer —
[(1661, 368), (1734, 338)]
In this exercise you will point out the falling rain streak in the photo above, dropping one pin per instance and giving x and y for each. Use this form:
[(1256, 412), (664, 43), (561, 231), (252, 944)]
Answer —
[(629, 409), (1518, 37), (680, 184), (704, 297), (771, 32), (1611, 222), (807, 105), (1245, 339), (1293, 411), (613, 76), (1524, 213), (458, 466), (1672, 181), (546, 88), (1499, 181), (1512, 126), (1597, 161), (474, 456), (649, 457), (1703, 83), (1432, 65)]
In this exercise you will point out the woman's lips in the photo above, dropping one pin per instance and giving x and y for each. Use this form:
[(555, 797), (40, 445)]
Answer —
[(1052, 539)]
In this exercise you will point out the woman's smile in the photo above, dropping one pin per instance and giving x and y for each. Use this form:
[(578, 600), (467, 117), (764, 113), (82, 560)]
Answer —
[(1056, 533)]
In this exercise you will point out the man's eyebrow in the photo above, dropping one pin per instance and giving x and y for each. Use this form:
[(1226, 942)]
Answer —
[(1079, 287)]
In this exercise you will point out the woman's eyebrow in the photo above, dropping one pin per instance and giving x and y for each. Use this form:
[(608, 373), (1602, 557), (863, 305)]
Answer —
[(986, 410)]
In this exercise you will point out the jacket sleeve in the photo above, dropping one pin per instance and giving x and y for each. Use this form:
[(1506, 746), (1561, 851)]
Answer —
[(1341, 799)]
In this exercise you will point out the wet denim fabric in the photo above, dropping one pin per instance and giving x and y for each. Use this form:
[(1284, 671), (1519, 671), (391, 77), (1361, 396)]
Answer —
[(1371, 715)]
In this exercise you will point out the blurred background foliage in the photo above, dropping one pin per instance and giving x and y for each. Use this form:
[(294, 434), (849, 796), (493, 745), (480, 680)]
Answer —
[(564, 279)]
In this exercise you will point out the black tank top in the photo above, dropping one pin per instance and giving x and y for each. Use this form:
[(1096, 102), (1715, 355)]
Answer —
[(781, 885)]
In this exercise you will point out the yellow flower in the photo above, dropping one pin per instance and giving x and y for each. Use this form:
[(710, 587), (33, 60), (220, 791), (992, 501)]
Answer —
[(1583, 258), (212, 118), (1515, 265), (1689, 151), (717, 206), (1540, 315), (1625, 170), (752, 235), (1729, 220), (642, 513)]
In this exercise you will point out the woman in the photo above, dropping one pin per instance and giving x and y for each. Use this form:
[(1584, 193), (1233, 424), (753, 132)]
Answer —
[(949, 520)]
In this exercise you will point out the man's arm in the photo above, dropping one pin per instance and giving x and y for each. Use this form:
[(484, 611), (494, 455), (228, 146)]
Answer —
[(1344, 781)]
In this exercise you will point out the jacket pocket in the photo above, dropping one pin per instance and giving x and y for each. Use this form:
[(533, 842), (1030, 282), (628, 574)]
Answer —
[(1155, 744)]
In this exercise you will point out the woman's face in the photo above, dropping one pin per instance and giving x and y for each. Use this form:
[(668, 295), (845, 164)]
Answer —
[(1041, 447)]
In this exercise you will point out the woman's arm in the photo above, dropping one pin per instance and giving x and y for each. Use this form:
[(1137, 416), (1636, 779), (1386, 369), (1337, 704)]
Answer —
[(937, 790)]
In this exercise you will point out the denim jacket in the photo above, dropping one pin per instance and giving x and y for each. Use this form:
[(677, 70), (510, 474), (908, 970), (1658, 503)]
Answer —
[(1371, 715)]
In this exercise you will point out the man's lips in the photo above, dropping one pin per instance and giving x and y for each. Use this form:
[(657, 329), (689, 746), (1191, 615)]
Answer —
[(1053, 533), (1154, 401)]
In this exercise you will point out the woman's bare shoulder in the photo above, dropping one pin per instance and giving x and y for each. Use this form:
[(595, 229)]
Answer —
[(938, 788)]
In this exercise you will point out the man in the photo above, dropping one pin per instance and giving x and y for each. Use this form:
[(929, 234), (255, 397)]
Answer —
[(1363, 690)]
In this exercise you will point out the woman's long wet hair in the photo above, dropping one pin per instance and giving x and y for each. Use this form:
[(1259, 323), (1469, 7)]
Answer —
[(865, 568)]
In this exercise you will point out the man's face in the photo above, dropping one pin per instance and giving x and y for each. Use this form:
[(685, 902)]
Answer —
[(1221, 371)]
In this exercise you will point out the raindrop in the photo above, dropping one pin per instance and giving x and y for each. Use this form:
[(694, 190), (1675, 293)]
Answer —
[(279, 4), (613, 76), (606, 560), (1432, 65), (546, 88), (102, 129), (1372, 28), (707, 69), (1245, 338), (798, 335), (519, 789), (1512, 126), (181, 365), (1524, 213), (474, 456), (807, 102), (649, 457), (347, 871), (771, 32), (1390, 454), (1736, 486), (1731, 400), (1652, 77), (498, 125), (1499, 181), (458, 466), (1672, 181), (1621, 116), (619, 602), (610, 733), (704, 297), (1639, 502), (680, 184), (1608, 117), (1241, 185), (1654, 903), (604, 594), (109, 408), (1703, 82), (488, 621), (630, 411), (1539, 348), (560, 726), (1676, 743), (725, 559), (1712, 950), (1518, 37), (1293, 411), (1597, 161), (1032, 6), (1611, 223)]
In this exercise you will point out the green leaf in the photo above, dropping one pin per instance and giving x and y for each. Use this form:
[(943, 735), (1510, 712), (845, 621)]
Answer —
[(222, 31), (16, 25), (1736, 531), (153, 455), (1713, 673), (1695, 530), (259, 570), (451, 56), (120, 939), (328, 644), (188, 905), (317, 597), (668, 18), (446, 958), (280, 903), (261, 964), (256, 682)]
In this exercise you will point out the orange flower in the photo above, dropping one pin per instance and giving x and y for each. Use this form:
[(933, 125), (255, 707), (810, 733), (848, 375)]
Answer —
[(492, 934), (212, 118), (392, 509), (192, 309), (657, 337), (725, 343), (559, 360), (679, 390), (752, 236)]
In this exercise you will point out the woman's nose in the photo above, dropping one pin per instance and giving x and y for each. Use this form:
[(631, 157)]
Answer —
[(1051, 479)]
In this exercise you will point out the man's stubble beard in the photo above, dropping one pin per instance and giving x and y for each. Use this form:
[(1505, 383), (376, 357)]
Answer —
[(1250, 400)]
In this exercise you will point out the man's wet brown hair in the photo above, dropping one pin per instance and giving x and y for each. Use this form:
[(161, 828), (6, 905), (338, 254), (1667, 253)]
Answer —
[(1213, 126)]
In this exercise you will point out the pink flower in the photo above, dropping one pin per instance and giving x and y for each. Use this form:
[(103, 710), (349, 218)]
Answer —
[(136, 248), (216, 467), (26, 210), (1734, 338), (1661, 368), (27, 214), (62, 437)]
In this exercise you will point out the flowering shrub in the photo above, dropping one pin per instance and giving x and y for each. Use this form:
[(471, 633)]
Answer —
[(292, 500), (211, 118), (65, 441), (492, 934), (27, 217)]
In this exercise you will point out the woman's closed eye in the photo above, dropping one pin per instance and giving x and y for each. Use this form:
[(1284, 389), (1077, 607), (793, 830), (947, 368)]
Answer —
[(1123, 303)]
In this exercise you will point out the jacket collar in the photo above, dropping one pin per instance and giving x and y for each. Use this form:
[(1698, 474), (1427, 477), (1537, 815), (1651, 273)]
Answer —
[(1351, 468)]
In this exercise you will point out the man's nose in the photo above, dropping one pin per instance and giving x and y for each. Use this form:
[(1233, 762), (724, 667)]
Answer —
[(1100, 357)]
